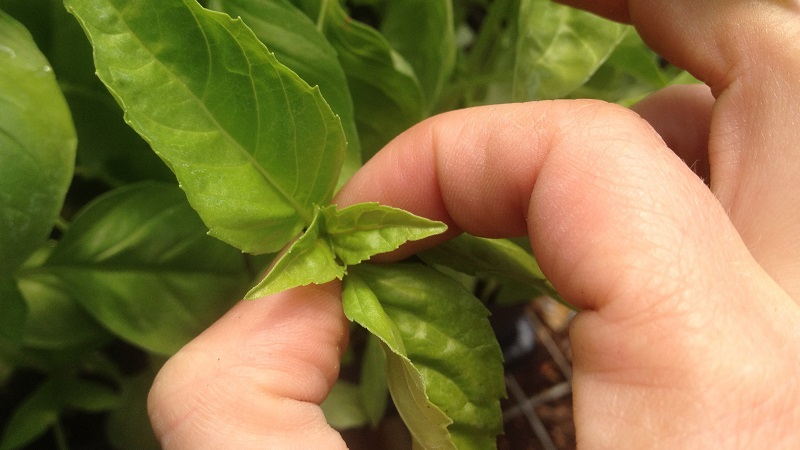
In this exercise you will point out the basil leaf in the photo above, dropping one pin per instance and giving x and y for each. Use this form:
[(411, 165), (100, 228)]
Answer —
[(422, 31), (497, 257), (139, 261), (559, 48), (298, 44), (338, 238), (254, 147), (360, 231), (343, 408), (443, 361), (373, 388), (310, 259), (56, 321), (386, 94), (37, 146)]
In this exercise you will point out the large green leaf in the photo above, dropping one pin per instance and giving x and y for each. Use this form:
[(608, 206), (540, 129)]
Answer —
[(339, 238), (139, 260), (559, 48), (254, 147), (386, 94), (443, 361), (360, 231), (37, 146), (422, 31), (298, 44)]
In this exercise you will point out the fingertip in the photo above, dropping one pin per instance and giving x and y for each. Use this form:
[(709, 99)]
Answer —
[(256, 376)]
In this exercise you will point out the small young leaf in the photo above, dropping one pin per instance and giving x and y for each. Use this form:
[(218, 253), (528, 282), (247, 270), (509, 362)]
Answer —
[(338, 238), (37, 146), (386, 94), (559, 48), (443, 362), (139, 261), (254, 147), (363, 230), (310, 259)]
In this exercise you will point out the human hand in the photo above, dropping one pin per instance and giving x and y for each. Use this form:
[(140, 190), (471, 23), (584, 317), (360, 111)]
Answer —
[(690, 330)]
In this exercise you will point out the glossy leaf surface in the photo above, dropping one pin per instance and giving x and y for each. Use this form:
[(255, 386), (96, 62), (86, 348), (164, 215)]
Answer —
[(559, 48), (300, 46), (360, 231), (310, 259), (139, 260), (443, 361), (254, 147), (37, 146)]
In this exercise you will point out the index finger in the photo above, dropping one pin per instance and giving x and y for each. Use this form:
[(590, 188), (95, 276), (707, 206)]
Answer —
[(604, 201)]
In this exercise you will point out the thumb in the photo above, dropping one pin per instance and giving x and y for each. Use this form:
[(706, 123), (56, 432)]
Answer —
[(255, 379)]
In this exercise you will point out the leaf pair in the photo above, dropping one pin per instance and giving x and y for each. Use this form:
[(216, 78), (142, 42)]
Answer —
[(337, 239)]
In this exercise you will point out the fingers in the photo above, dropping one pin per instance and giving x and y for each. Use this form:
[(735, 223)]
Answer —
[(749, 54), (592, 184), (681, 115), (256, 377), (624, 230)]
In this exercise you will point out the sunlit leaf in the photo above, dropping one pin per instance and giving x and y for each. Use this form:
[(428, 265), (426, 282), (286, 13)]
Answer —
[(338, 238), (360, 231), (559, 48), (298, 44), (443, 361), (139, 261), (37, 146), (310, 259), (254, 147)]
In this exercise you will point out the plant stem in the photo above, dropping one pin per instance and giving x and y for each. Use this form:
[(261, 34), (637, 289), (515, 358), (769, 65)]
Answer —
[(323, 12), (61, 437)]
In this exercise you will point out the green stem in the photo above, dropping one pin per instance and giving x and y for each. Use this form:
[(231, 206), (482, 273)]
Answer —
[(323, 12), (61, 224), (61, 437)]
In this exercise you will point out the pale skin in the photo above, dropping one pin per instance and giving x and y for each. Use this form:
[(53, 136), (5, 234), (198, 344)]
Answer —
[(675, 228)]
